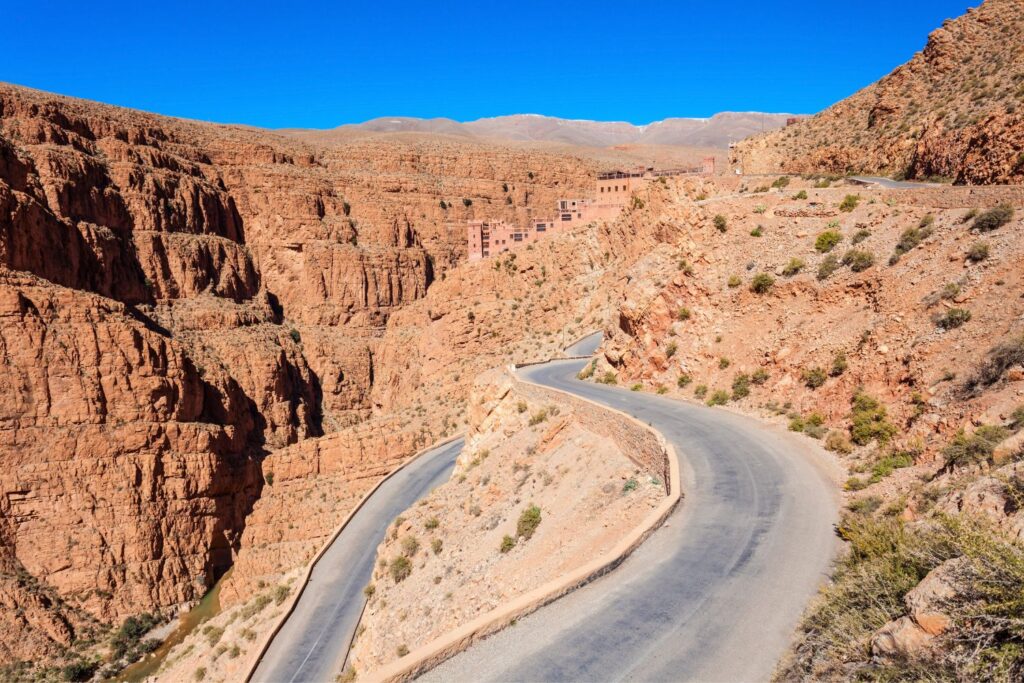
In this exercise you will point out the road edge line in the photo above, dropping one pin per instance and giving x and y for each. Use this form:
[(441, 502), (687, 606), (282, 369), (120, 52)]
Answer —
[(257, 658), (430, 655)]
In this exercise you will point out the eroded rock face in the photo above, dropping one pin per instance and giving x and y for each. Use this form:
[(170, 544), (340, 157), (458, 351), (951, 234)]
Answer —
[(954, 111), (179, 301)]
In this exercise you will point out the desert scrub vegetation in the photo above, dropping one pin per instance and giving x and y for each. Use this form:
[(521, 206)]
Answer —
[(608, 377), (827, 241), (683, 380), (794, 266), (507, 543), (400, 568), (828, 266), (528, 522), (998, 361), (978, 252), (683, 314), (721, 224), (858, 260), (718, 398), (869, 421), (781, 183), (586, 373), (757, 232), (887, 557), (913, 236), (849, 203), (700, 391), (802, 194), (762, 283), (740, 386), (814, 377), (994, 218), (975, 448), (839, 364), (952, 318), (734, 281)]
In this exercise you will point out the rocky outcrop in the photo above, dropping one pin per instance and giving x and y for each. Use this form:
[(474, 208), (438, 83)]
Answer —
[(952, 111)]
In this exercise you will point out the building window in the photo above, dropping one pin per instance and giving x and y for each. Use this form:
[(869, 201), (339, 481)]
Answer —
[(517, 237), (566, 216)]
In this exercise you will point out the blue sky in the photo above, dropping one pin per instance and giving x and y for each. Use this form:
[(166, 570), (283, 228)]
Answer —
[(321, 64)]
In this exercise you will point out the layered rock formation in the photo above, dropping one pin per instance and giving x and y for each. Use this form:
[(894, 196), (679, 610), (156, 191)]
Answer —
[(956, 111), (177, 301)]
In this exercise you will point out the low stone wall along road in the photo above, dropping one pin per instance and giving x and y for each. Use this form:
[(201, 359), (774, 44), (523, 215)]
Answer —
[(312, 645), (716, 593)]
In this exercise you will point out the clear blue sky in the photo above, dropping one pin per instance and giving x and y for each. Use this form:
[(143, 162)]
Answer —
[(321, 64)]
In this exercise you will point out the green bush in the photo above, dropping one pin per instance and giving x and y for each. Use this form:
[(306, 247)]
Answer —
[(719, 398), (762, 283), (829, 265), (794, 266), (734, 281), (529, 520), (721, 224), (858, 260), (631, 485), (827, 241), (723, 363), (849, 203), (802, 194), (683, 314), (953, 318), (869, 421), (839, 364), (637, 387), (781, 183), (740, 386), (757, 232), (814, 377), (888, 464), (507, 543), (994, 218), (683, 380), (79, 670)]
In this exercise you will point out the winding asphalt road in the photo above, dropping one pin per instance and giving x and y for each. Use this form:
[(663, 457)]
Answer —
[(715, 594), (312, 645)]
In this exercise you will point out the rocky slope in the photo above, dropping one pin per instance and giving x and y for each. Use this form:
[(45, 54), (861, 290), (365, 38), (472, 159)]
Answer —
[(181, 299), (955, 110), (888, 324)]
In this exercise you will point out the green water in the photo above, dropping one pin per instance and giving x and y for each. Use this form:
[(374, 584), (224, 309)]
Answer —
[(207, 608)]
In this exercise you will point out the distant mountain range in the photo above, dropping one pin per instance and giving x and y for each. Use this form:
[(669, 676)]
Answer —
[(715, 132)]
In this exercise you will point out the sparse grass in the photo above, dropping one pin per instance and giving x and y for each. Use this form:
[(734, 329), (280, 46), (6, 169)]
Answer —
[(432, 523), (542, 415)]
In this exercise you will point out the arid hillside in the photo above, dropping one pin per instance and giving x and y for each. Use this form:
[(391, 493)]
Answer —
[(180, 300), (954, 111), (889, 324)]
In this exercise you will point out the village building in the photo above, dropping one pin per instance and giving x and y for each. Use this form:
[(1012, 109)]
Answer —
[(612, 192)]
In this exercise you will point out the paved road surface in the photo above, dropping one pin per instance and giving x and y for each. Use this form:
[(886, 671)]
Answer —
[(715, 594), (889, 183), (313, 643)]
